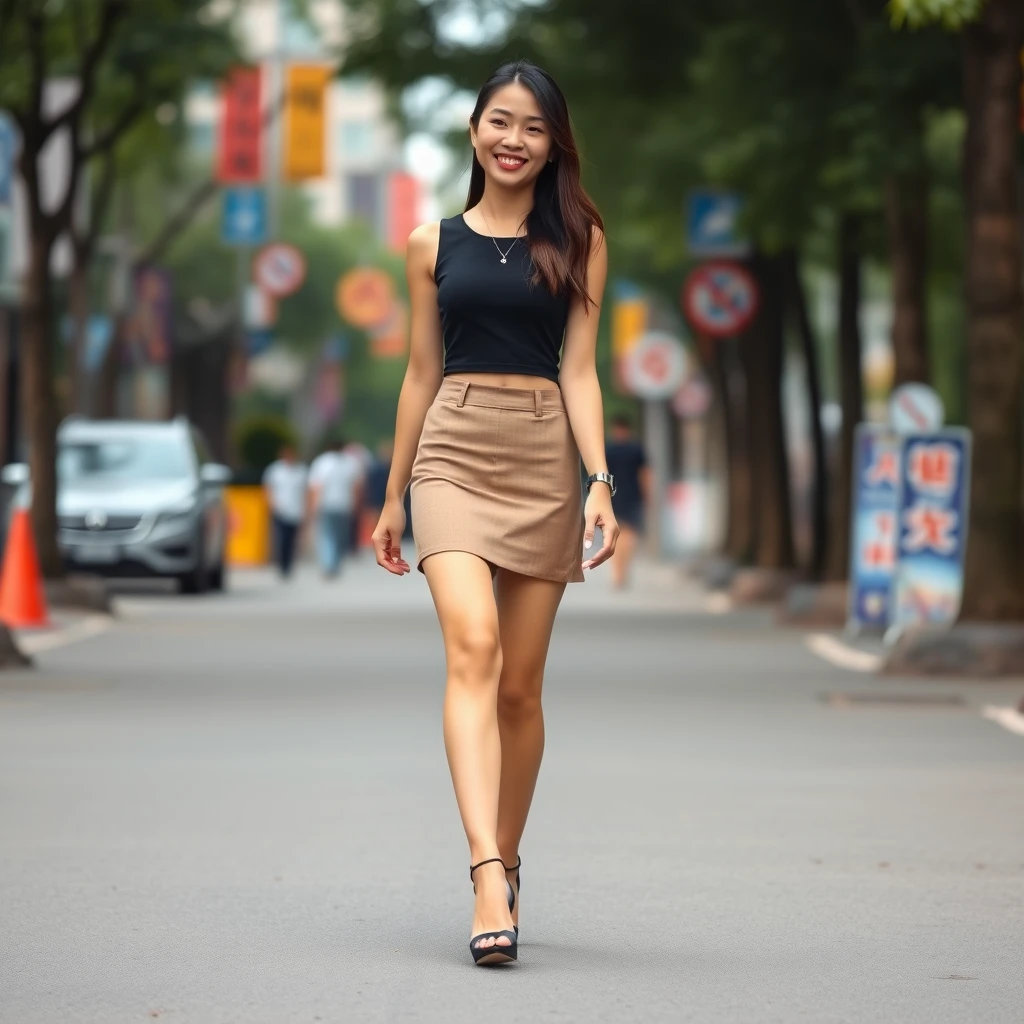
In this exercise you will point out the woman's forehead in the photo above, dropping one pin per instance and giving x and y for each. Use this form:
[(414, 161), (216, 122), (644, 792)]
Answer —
[(516, 100)]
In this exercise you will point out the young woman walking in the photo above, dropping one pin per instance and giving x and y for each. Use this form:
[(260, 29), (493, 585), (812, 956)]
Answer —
[(490, 429)]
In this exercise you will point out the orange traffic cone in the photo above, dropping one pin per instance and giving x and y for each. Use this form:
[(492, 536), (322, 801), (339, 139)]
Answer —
[(22, 602)]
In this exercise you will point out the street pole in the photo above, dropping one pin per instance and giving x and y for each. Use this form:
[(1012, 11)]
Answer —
[(275, 89), (657, 421)]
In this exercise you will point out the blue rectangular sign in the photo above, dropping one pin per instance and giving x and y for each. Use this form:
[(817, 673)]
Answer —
[(876, 485), (712, 224), (8, 156), (244, 220), (932, 528)]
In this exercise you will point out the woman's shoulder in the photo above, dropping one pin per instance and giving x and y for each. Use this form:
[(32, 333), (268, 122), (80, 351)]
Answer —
[(425, 236)]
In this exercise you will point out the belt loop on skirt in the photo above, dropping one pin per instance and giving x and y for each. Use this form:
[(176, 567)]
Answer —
[(538, 408), (462, 394)]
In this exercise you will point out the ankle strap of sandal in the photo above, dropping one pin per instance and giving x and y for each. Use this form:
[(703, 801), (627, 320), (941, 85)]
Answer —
[(515, 867), (493, 860)]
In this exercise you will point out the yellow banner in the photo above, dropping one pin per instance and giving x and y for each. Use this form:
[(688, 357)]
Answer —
[(629, 321), (305, 121)]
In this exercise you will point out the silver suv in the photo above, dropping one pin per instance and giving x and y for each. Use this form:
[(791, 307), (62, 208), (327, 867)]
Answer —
[(139, 499)]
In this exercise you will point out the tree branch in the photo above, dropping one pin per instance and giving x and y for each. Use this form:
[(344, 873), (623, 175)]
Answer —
[(106, 141), (84, 242), (177, 223), (856, 15), (113, 11)]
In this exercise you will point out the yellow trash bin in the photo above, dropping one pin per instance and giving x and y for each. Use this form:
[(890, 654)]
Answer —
[(248, 526)]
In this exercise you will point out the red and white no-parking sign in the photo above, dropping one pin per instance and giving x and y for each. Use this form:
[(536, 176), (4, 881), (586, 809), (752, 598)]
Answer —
[(720, 299), (279, 269), (655, 366)]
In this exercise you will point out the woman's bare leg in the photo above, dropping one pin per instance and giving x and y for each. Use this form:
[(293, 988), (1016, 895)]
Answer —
[(526, 613), (463, 594)]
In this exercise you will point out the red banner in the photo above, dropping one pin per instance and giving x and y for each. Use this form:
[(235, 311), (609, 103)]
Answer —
[(403, 209), (240, 135)]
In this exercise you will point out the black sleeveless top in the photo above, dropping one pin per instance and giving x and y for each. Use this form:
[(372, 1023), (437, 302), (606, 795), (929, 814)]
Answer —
[(493, 319)]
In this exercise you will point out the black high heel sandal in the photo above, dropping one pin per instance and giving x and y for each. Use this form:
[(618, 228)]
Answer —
[(515, 895), (485, 955)]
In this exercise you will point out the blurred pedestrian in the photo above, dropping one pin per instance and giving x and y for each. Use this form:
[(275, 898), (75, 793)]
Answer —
[(335, 486), (377, 486), (627, 462), (284, 482), (364, 457), (500, 400)]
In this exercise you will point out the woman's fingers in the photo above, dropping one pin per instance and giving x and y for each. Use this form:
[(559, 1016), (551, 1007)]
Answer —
[(609, 536), (388, 555)]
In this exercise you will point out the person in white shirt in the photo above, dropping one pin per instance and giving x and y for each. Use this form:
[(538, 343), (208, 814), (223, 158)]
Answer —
[(285, 484), (335, 486)]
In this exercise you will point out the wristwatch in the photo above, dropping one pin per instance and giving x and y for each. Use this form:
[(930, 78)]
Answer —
[(604, 478)]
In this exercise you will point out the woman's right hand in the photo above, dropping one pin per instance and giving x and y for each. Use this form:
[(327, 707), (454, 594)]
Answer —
[(387, 538)]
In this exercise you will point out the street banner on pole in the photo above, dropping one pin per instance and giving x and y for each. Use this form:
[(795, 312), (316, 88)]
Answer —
[(932, 528), (305, 121), (720, 299), (244, 216), (240, 131), (403, 209), (712, 224), (876, 485)]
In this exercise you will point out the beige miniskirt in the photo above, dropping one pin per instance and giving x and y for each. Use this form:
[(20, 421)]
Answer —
[(497, 474)]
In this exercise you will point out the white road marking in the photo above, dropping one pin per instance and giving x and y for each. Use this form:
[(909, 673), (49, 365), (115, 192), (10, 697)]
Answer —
[(1008, 718), (36, 643), (837, 653)]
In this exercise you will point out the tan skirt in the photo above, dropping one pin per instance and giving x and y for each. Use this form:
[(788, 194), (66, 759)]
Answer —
[(497, 473)]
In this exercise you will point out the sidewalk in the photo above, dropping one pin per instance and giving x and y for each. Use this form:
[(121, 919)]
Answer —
[(364, 586)]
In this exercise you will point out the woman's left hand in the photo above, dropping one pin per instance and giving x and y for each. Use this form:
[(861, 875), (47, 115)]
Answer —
[(598, 513)]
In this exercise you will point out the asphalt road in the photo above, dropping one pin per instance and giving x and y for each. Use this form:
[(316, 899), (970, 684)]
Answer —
[(237, 809)]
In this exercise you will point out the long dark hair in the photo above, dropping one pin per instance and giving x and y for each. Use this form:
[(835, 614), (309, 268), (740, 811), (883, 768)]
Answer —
[(558, 228)]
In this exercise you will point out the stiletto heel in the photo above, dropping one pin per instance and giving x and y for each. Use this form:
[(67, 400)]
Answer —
[(513, 896), (486, 955)]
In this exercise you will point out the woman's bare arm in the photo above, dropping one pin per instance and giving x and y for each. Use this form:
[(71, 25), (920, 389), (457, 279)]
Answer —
[(426, 360)]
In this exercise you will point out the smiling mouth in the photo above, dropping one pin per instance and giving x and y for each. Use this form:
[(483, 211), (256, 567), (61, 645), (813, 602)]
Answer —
[(510, 163)]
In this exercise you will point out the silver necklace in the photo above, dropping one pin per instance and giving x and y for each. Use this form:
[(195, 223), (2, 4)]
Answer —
[(503, 255)]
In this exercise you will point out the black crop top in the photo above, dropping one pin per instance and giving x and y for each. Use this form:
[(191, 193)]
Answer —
[(492, 318)]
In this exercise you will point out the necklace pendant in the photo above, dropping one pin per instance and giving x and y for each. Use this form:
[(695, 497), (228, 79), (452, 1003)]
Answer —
[(503, 260)]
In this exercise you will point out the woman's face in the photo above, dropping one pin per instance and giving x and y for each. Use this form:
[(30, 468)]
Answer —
[(512, 141)]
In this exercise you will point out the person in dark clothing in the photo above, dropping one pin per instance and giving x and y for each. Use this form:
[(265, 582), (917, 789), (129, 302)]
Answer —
[(628, 464)]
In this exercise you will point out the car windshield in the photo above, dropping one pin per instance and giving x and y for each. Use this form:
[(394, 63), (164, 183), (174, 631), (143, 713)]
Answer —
[(152, 458)]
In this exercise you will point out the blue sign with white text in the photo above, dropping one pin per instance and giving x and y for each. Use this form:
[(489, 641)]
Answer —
[(876, 485), (244, 219), (932, 527), (712, 224)]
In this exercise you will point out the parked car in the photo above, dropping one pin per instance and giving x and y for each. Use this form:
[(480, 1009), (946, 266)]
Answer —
[(139, 499)]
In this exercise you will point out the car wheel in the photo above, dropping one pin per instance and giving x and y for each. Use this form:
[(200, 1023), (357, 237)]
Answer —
[(197, 579)]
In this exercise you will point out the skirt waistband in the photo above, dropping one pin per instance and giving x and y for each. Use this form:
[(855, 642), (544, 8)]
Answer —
[(535, 400)]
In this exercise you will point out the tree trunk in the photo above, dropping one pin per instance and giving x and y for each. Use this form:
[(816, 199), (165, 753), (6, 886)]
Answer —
[(906, 215), (851, 393), (797, 302), (39, 403), (104, 404), (764, 353), (78, 308), (994, 574), (730, 387)]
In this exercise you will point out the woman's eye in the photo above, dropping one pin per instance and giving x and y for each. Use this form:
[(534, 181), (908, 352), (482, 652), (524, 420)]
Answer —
[(498, 124)]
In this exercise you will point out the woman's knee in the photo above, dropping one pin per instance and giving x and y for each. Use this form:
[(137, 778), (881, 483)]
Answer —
[(474, 651), (519, 697)]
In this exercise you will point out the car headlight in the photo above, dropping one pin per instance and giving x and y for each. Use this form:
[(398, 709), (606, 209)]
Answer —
[(180, 516)]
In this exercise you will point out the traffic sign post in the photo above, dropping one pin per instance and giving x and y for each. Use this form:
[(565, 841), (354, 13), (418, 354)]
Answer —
[(712, 224), (720, 299), (279, 269), (244, 216), (916, 409)]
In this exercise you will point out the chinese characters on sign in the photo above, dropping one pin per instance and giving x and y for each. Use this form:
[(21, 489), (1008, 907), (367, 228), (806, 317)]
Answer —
[(240, 138), (873, 548), (932, 528)]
